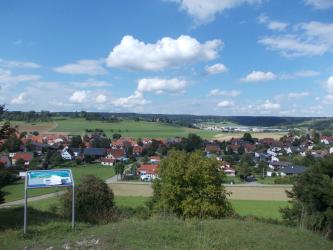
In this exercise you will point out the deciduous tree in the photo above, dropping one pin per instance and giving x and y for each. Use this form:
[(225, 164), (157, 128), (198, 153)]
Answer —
[(190, 185)]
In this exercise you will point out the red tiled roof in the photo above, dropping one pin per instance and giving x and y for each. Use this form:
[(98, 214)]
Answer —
[(116, 153), (108, 160), (148, 169), (24, 156)]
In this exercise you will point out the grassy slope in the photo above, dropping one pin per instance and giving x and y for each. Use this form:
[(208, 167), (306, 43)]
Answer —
[(263, 209), (16, 191), (166, 233), (128, 128)]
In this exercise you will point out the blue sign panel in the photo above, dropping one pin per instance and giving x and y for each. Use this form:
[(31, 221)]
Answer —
[(49, 178)]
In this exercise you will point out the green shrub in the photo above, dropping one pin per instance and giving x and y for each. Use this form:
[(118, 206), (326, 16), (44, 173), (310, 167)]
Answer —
[(93, 201)]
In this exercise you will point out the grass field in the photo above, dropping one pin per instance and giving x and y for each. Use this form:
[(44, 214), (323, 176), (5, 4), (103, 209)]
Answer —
[(16, 190), (164, 233), (128, 128), (262, 209)]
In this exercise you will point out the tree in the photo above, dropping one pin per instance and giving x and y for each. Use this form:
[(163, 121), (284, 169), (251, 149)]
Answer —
[(12, 143), (262, 168), (101, 142), (116, 136), (190, 185), (312, 199), (94, 201), (315, 136), (244, 168), (192, 143), (76, 142), (247, 137), (119, 169)]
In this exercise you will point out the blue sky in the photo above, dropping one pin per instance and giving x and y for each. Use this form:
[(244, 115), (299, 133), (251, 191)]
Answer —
[(212, 57)]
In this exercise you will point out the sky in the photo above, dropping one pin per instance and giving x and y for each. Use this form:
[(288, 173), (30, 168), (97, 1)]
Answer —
[(212, 57)]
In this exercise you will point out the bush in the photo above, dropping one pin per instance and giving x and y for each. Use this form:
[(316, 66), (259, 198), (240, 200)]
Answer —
[(93, 201)]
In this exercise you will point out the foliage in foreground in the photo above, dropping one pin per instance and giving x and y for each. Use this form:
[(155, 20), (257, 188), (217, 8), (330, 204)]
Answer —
[(312, 194), (93, 201), (190, 185)]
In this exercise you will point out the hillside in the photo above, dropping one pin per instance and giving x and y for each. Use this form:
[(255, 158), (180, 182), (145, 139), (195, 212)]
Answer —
[(167, 233), (127, 128)]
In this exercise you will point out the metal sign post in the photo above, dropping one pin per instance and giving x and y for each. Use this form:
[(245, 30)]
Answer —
[(47, 179)]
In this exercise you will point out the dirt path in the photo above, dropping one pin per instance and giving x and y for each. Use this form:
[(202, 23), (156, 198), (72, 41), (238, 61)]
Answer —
[(35, 198)]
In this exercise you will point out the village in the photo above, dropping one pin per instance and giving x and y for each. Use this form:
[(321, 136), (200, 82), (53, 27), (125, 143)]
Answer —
[(244, 158)]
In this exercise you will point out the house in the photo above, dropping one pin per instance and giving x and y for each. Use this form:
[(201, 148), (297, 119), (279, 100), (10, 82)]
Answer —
[(26, 157), (66, 154), (116, 154), (137, 150), (249, 148), (267, 141), (233, 148), (94, 152), (147, 172), (229, 171), (212, 149), (154, 159), (326, 139), (108, 161), (292, 170), (5, 161), (77, 152), (275, 165)]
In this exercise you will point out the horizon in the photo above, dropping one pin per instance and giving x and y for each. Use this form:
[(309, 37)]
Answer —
[(259, 58)]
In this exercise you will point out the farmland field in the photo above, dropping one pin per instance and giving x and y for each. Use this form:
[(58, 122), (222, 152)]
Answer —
[(273, 193), (260, 135)]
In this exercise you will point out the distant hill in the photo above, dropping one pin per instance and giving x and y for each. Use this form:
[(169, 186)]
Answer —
[(179, 119)]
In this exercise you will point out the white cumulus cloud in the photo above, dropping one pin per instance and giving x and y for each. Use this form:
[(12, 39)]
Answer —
[(78, 96), (87, 67), (159, 85), (330, 84), (272, 24), (100, 98), (216, 69), (307, 39), (320, 4), (268, 105), (204, 11), (225, 104), (259, 76), (218, 92), (18, 64), (297, 94), (134, 100), (20, 99), (133, 54)]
